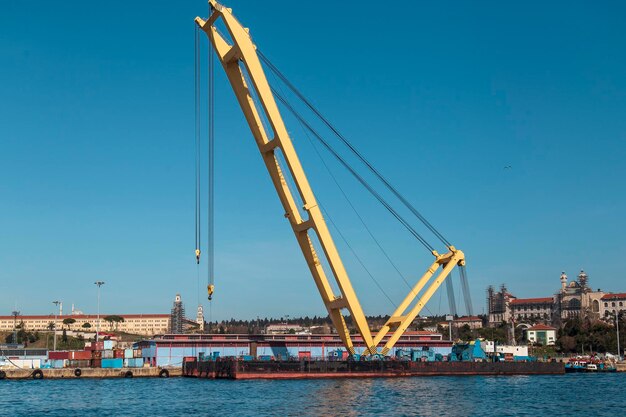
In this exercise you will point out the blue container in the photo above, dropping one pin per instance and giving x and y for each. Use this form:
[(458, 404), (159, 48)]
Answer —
[(128, 353), (108, 344), (247, 357), (113, 363), (57, 363)]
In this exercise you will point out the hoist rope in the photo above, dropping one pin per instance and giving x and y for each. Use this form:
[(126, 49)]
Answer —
[(197, 155), (391, 188), (211, 179), (352, 171), (197, 133)]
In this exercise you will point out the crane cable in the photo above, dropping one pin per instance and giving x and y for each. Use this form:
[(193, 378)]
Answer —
[(211, 169), (390, 187), (359, 178), (197, 139)]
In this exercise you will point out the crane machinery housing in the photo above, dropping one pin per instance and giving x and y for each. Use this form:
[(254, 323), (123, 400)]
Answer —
[(242, 63)]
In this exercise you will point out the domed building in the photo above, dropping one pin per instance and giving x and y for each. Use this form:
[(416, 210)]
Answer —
[(577, 299), (574, 299)]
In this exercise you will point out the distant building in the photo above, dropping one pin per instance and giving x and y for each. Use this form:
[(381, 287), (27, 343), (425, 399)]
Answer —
[(612, 303), (498, 305), (143, 324), (473, 322), (573, 299), (284, 328), (177, 317), (200, 318), (542, 334), (532, 308)]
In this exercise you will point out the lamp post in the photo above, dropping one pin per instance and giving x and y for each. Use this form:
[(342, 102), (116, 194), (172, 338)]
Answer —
[(56, 303), (99, 284), (15, 313)]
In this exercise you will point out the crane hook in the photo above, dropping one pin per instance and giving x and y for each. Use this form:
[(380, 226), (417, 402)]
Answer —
[(210, 288), (198, 256)]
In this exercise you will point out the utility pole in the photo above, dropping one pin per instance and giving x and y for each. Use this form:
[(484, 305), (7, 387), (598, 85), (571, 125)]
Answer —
[(99, 284), (15, 313), (57, 304), (450, 319), (619, 353)]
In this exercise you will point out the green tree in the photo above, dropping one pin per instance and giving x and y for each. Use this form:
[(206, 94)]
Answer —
[(114, 320), (86, 326), (68, 322)]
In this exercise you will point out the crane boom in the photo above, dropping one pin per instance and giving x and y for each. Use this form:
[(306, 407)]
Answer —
[(243, 68)]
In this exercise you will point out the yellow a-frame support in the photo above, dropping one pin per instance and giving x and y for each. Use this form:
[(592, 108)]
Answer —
[(241, 62)]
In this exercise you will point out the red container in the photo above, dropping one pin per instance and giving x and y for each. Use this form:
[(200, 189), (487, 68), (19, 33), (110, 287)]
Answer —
[(97, 346), (96, 354), (58, 355), (80, 355), (304, 354), (118, 353), (96, 363)]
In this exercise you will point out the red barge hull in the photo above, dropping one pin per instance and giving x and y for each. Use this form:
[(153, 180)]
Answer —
[(237, 369)]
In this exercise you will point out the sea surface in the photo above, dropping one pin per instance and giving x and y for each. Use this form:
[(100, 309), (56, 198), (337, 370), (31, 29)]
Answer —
[(567, 395)]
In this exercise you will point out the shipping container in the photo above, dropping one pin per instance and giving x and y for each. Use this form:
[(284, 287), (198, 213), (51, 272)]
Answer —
[(96, 363), (107, 354), (96, 354), (113, 363), (79, 363), (80, 355), (58, 354), (58, 363), (97, 346), (109, 344), (133, 363), (129, 353), (137, 353), (118, 353)]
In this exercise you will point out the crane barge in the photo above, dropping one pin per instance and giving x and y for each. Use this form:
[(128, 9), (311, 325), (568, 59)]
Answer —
[(241, 61)]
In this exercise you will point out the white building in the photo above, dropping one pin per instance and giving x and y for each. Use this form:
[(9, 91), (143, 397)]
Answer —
[(542, 334), (612, 303)]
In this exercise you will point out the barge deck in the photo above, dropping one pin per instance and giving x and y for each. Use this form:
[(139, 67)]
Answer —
[(237, 369)]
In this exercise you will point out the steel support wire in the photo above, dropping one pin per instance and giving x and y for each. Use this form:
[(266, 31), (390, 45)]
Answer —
[(352, 171), (391, 188)]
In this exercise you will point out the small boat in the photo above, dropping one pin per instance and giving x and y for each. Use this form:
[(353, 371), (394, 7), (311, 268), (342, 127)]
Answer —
[(588, 365)]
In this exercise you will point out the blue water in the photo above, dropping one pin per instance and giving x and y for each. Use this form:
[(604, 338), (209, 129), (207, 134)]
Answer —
[(568, 395)]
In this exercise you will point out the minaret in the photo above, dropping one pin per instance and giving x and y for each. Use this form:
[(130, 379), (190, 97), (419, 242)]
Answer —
[(563, 281), (582, 279)]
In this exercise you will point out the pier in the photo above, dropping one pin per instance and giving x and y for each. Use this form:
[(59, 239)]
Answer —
[(69, 373)]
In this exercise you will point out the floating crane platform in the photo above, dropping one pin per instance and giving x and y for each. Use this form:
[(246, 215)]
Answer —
[(304, 369)]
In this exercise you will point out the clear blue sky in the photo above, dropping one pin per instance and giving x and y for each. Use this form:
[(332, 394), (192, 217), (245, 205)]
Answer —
[(96, 149)]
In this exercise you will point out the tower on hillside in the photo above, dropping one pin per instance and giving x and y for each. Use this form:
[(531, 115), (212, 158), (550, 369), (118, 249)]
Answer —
[(583, 279), (563, 281), (200, 318), (178, 316)]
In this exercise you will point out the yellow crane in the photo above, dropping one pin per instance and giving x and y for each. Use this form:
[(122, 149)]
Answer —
[(239, 58)]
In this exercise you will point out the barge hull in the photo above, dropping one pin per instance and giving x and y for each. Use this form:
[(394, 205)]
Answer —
[(236, 369)]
